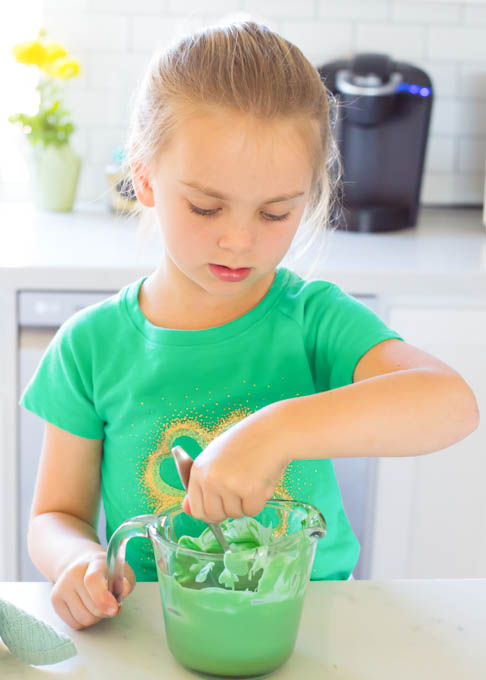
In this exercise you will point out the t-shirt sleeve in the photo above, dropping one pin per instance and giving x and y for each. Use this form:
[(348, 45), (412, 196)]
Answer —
[(61, 389), (340, 329)]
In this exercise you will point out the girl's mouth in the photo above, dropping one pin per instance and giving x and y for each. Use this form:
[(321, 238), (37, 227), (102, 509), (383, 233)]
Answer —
[(227, 274)]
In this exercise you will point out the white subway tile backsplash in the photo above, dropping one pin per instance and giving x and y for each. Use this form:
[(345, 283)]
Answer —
[(423, 12), (49, 5), (87, 30), (353, 10), (196, 6), (114, 40), (444, 77), (474, 14), (472, 155), (454, 189), (445, 118), (320, 41), (304, 9), (127, 6), (116, 71), (258, 15), (152, 32), (454, 2), (472, 117), (95, 107), (457, 44), (92, 182), (472, 81), (402, 42), (118, 6), (440, 154), (458, 117), (79, 141), (103, 139)]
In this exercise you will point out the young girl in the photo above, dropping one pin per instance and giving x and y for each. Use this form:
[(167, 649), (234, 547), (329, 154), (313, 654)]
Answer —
[(266, 376)]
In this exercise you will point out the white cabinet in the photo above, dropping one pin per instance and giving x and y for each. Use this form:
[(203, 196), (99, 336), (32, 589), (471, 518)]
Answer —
[(430, 519)]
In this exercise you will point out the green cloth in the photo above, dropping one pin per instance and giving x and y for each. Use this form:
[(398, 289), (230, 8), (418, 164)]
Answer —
[(31, 640), (110, 374)]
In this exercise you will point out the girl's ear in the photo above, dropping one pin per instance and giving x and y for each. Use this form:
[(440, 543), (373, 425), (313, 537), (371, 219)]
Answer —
[(141, 184)]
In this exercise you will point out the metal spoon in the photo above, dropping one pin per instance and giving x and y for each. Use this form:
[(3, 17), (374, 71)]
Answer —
[(184, 463)]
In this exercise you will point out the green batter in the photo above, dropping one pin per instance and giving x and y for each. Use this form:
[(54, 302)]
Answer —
[(235, 614)]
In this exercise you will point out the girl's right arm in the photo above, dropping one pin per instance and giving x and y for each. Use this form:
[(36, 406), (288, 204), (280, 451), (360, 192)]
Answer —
[(62, 540)]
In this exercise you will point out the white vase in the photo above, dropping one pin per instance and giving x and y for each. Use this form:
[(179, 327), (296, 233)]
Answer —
[(54, 172)]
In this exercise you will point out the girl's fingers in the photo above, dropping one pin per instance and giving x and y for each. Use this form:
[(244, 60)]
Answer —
[(80, 612), (97, 588), (213, 507), (90, 604), (62, 610), (252, 506), (127, 588), (232, 506), (129, 580), (196, 500), (186, 505)]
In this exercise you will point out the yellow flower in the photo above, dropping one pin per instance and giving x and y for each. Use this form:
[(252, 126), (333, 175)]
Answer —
[(53, 51), (31, 52), (50, 57), (62, 68)]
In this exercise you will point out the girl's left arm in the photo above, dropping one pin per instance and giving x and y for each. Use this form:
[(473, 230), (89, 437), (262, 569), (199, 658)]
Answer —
[(402, 402)]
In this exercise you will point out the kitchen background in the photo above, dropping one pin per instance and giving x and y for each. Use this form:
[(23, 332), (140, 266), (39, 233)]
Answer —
[(113, 40), (428, 283)]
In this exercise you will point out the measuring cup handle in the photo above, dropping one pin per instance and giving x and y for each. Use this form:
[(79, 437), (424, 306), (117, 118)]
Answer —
[(115, 557), (314, 524)]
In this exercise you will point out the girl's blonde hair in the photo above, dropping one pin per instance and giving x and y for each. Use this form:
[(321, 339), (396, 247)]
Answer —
[(242, 66)]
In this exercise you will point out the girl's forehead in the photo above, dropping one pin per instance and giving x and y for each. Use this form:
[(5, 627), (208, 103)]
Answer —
[(215, 146), (236, 127)]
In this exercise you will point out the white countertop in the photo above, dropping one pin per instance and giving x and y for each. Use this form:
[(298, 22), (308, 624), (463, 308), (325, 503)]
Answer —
[(90, 247), (350, 630)]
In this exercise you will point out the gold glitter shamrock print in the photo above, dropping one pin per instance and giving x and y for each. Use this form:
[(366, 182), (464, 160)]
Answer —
[(159, 477)]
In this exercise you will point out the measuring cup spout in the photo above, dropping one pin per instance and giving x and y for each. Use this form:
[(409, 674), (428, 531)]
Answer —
[(115, 558)]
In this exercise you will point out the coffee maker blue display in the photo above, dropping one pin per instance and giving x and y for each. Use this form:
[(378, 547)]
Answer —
[(381, 128)]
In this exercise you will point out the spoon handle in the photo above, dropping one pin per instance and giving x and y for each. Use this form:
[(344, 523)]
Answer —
[(184, 463), (216, 529)]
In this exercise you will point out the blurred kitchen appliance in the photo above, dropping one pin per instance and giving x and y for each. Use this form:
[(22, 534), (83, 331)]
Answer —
[(381, 127)]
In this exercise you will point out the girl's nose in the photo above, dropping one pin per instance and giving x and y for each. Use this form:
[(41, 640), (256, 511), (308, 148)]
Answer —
[(237, 239)]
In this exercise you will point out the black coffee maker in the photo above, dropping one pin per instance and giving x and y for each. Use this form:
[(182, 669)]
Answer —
[(381, 127)]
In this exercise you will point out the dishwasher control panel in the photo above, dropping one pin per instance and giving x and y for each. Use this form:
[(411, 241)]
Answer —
[(51, 308)]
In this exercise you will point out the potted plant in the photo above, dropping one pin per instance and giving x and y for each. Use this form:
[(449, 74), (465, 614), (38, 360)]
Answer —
[(53, 165)]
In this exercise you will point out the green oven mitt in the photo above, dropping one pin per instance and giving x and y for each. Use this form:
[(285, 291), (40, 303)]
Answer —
[(31, 640)]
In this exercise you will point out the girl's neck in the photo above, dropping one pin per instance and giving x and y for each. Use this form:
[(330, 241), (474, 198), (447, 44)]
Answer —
[(175, 302)]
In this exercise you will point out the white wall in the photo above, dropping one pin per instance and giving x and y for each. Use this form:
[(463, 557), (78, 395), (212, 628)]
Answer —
[(114, 39)]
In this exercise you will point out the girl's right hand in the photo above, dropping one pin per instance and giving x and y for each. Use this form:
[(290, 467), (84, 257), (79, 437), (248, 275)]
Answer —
[(80, 595)]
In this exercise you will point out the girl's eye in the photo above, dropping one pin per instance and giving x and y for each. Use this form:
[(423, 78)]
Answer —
[(212, 213)]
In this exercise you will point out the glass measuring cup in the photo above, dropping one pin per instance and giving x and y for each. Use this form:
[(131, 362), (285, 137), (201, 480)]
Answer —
[(233, 614)]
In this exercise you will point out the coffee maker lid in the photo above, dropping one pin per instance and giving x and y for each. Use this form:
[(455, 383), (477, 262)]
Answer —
[(370, 75)]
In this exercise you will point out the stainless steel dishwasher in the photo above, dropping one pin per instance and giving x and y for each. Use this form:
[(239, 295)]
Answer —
[(40, 314)]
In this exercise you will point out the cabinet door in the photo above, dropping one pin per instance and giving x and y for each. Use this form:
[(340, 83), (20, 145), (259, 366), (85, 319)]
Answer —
[(431, 510)]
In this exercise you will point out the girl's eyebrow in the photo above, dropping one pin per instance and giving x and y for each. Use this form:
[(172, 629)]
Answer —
[(217, 194)]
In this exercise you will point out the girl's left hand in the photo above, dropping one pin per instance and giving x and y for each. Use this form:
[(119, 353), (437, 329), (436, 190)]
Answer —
[(238, 471)]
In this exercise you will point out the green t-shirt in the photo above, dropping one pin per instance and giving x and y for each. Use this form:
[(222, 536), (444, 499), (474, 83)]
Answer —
[(110, 374)]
